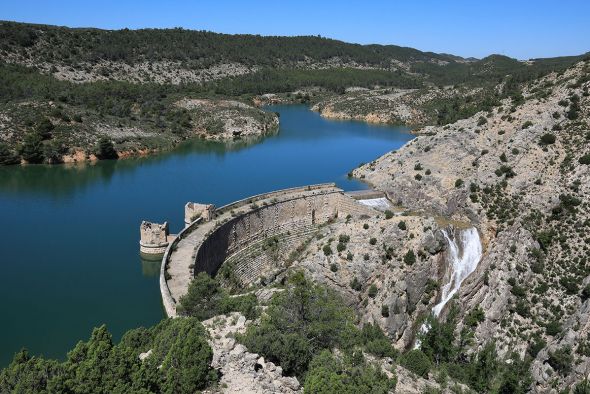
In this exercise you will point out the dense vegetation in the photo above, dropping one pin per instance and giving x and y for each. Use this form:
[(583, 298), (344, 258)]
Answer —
[(198, 48), (179, 362), (448, 355)]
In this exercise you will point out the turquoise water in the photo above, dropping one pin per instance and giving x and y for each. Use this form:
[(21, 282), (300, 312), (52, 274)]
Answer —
[(69, 252)]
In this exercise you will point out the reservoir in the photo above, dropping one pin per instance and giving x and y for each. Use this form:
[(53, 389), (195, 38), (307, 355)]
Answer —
[(69, 252)]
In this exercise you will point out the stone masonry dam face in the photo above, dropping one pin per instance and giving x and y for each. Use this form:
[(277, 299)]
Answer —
[(252, 238)]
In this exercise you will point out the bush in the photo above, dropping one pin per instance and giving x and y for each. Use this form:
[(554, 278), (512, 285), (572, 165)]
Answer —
[(355, 284), (585, 159), (553, 328), (410, 257), (384, 310), (476, 316), (548, 139), (373, 241), (32, 148), (389, 214), (402, 225), (458, 183), (416, 361), (6, 156), (561, 360), (205, 298), (481, 121), (376, 342), (44, 128), (373, 291), (327, 250), (334, 267), (340, 246), (527, 124), (105, 149), (300, 322), (330, 374)]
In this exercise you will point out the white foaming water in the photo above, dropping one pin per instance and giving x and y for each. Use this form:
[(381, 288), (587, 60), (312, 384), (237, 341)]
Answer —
[(463, 260), (378, 203)]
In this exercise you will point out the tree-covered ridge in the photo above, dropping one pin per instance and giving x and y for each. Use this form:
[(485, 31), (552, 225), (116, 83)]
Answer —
[(199, 48)]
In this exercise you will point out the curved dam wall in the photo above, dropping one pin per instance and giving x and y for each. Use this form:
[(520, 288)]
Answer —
[(241, 240), (251, 238)]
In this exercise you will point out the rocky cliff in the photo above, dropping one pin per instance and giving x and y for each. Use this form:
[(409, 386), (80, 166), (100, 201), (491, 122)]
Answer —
[(520, 173)]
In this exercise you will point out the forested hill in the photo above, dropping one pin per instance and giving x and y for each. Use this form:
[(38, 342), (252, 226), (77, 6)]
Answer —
[(184, 56), (63, 91), (196, 48)]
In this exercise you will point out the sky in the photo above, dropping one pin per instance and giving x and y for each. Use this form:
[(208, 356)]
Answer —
[(518, 28)]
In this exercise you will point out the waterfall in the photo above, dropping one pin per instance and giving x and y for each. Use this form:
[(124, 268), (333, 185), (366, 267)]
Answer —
[(464, 255), (463, 259)]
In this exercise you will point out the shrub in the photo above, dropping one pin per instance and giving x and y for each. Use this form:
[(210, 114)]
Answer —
[(561, 360), (416, 361), (355, 284), (332, 374), (475, 317), (418, 177), (553, 328), (503, 158), (402, 225), (205, 298), (44, 128), (6, 156), (366, 226), (388, 214), (585, 159), (32, 148), (418, 167), (343, 238), (333, 267), (481, 121), (373, 241), (548, 139), (527, 124), (300, 322), (375, 341), (105, 149), (373, 291), (410, 257), (458, 183), (340, 246), (384, 310), (327, 250)]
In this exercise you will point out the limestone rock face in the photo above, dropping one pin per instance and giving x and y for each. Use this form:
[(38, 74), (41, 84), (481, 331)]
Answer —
[(529, 196), (242, 371)]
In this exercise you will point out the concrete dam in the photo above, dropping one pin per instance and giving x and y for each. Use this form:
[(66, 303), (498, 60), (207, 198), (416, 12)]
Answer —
[(249, 240)]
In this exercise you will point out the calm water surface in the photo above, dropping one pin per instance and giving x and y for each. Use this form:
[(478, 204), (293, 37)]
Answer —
[(69, 235)]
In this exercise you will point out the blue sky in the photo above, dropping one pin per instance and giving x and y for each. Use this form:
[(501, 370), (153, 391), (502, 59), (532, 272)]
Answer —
[(518, 28)]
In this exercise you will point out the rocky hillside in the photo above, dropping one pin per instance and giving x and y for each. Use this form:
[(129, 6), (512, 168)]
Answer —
[(520, 173), (73, 94)]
